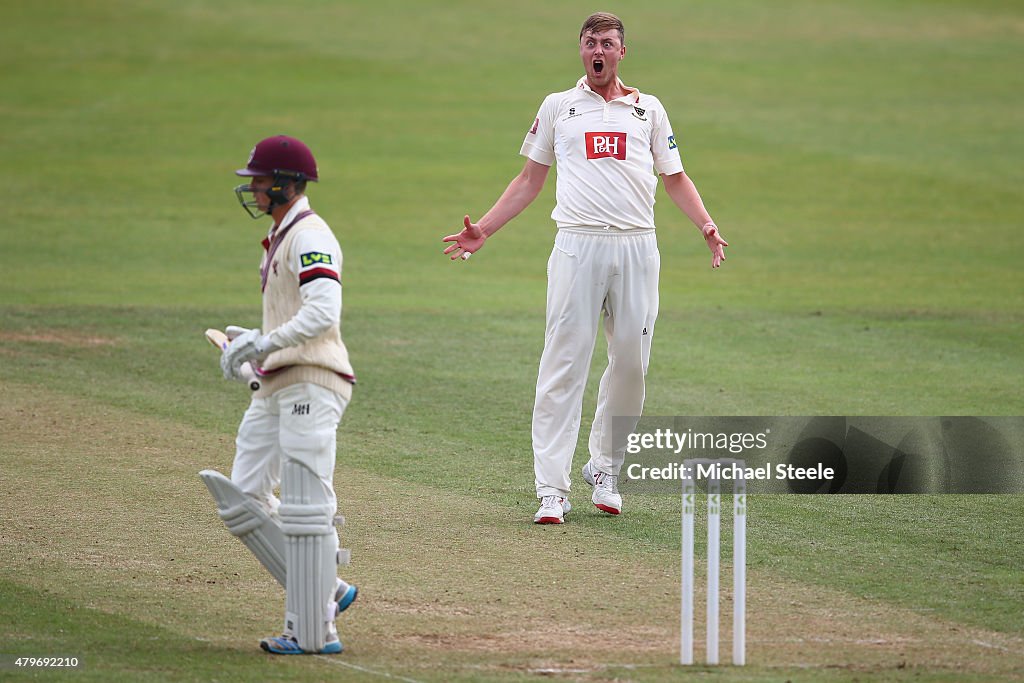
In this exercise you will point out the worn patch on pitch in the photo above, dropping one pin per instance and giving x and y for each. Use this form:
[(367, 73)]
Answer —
[(60, 337)]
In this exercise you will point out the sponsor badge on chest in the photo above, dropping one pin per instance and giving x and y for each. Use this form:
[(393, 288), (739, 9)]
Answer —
[(606, 145)]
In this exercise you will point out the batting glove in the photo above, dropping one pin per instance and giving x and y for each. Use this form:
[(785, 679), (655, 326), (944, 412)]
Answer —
[(246, 345), (233, 331)]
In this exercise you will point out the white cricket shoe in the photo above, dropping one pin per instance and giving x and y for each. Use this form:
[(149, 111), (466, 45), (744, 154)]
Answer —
[(606, 490), (552, 510), (588, 474)]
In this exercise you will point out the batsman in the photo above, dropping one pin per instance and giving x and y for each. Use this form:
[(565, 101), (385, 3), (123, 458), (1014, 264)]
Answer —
[(287, 437)]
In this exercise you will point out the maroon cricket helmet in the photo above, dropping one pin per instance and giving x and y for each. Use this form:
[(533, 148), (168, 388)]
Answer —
[(281, 156)]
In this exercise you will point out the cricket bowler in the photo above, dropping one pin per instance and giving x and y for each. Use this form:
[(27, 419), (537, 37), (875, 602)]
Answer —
[(608, 141)]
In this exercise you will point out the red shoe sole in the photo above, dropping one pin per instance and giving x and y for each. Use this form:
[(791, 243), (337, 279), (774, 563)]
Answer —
[(547, 520), (606, 508)]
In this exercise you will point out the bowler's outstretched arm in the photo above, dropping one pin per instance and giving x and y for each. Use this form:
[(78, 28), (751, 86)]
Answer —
[(684, 193), (519, 194)]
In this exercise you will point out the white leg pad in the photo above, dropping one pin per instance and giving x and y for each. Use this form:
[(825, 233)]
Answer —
[(249, 521), (311, 549)]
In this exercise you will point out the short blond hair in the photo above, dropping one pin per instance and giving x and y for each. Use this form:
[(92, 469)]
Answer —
[(604, 21)]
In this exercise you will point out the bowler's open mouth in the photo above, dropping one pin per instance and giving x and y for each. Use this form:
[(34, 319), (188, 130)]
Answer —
[(598, 66)]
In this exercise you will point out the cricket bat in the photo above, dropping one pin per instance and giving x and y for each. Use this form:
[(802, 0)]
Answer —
[(221, 341)]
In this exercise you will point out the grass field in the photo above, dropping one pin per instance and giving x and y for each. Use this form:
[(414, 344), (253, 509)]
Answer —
[(863, 159)]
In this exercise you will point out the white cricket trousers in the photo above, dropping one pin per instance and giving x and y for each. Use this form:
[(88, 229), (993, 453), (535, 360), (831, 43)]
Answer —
[(593, 273), (298, 423)]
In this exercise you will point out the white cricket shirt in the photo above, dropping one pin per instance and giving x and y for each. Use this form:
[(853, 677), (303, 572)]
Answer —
[(607, 155)]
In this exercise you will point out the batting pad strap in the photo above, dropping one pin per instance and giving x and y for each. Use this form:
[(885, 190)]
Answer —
[(243, 518), (306, 520), (344, 554)]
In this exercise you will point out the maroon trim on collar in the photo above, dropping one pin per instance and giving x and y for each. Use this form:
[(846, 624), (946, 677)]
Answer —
[(271, 246)]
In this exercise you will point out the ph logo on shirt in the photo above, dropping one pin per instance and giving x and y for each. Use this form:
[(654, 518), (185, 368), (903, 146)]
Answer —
[(606, 145)]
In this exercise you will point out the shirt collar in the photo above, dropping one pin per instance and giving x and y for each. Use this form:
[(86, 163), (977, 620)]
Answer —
[(631, 97), (300, 205)]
